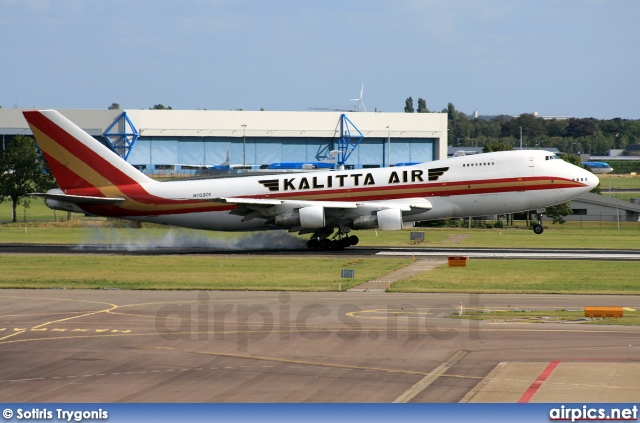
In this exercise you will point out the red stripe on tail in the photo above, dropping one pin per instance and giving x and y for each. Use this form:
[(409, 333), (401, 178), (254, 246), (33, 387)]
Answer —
[(67, 174)]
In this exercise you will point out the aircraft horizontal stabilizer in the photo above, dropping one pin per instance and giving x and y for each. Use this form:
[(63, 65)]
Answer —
[(78, 199)]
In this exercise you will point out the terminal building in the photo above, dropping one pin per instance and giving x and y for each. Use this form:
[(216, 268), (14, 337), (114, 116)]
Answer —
[(164, 141)]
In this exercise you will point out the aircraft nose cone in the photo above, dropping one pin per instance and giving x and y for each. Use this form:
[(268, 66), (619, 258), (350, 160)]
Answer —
[(592, 180)]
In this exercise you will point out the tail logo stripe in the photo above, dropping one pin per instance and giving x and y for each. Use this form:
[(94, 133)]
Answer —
[(70, 149)]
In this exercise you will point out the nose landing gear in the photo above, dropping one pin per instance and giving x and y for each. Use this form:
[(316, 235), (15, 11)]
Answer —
[(538, 228)]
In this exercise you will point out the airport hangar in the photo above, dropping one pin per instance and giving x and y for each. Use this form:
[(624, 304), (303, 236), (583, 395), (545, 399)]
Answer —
[(179, 141)]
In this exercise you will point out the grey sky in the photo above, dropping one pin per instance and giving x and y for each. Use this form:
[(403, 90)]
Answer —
[(577, 58)]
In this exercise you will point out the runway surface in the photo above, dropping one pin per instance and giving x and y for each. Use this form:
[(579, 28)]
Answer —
[(175, 346), (480, 253)]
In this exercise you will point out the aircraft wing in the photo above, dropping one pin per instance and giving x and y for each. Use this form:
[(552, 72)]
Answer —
[(315, 214), (407, 205)]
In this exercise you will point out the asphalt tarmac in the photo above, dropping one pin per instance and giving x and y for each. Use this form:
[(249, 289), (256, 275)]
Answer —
[(478, 253), (176, 346)]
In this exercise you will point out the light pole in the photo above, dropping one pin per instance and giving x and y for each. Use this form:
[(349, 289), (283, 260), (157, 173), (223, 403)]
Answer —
[(521, 138), (615, 195), (388, 147), (244, 145)]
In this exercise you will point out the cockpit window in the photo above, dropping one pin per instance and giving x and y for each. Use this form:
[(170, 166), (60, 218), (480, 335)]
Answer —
[(552, 157)]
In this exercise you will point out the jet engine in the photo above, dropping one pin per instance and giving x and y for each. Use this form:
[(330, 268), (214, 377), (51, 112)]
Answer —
[(386, 220), (307, 217)]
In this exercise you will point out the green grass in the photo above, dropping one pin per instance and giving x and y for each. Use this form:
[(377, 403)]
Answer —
[(529, 276), (631, 317), (573, 235), (189, 272), (36, 211), (622, 196), (619, 181)]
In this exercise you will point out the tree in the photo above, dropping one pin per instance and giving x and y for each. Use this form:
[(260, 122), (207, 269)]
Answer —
[(422, 106), (114, 106), (452, 113), (558, 212), (531, 125), (496, 146), (555, 127), (571, 158), (581, 128), (408, 105), (486, 128), (460, 127), (22, 171), (160, 107)]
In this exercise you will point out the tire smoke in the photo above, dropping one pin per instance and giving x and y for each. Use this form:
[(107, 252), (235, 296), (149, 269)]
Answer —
[(117, 240)]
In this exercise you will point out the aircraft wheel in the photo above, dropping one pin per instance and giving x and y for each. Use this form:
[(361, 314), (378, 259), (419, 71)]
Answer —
[(313, 244), (538, 229), (325, 244), (335, 245), (353, 240), (344, 243)]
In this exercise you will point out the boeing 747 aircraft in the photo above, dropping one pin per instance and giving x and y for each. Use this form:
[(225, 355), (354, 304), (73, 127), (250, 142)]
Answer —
[(325, 204)]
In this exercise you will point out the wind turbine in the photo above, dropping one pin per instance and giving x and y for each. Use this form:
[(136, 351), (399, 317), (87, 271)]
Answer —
[(359, 100)]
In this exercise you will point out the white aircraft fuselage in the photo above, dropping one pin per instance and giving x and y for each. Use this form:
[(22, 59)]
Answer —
[(484, 184)]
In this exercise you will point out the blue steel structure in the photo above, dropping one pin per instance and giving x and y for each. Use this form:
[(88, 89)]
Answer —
[(347, 142), (122, 141)]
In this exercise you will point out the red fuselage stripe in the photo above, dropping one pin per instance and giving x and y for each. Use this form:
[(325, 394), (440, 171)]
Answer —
[(353, 195)]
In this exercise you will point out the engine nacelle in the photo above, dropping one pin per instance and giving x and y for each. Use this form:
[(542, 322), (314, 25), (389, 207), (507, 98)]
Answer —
[(306, 217), (386, 220), (312, 217), (288, 220), (390, 219), (365, 222)]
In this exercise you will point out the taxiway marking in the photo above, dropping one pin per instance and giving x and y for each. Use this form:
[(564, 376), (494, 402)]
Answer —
[(430, 378), (529, 393)]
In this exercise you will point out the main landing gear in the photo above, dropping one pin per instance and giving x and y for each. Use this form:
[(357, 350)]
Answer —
[(538, 228), (323, 240)]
